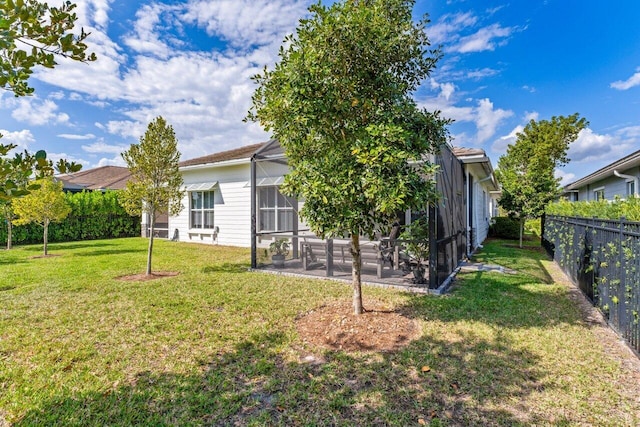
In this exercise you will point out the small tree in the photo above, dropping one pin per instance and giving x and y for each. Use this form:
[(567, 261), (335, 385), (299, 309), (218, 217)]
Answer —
[(526, 171), (339, 101), (43, 206), (155, 178), (45, 32)]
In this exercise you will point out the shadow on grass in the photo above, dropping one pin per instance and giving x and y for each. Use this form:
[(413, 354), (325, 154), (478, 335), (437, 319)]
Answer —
[(101, 252), (227, 267), (37, 247), (255, 384)]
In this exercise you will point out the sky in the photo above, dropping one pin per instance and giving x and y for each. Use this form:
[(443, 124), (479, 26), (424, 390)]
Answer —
[(504, 64)]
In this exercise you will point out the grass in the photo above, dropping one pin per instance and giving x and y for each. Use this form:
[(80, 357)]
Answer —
[(217, 345)]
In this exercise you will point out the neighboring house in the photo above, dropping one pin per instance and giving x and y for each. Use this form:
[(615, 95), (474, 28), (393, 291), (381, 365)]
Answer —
[(619, 178), (101, 178), (481, 189), (218, 200)]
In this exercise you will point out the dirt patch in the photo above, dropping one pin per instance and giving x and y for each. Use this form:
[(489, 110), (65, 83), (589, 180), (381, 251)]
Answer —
[(143, 277), (334, 326)]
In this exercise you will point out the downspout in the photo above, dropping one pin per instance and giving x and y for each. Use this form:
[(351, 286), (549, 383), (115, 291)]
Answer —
[(634, 178)]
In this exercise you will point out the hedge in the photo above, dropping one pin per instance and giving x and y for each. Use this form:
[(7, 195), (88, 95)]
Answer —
[(94, 215), (604, 209), (504, 227)]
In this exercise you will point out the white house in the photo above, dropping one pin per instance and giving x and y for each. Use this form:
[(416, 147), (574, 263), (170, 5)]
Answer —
[(481, 189), (218, 200), (618, 179)]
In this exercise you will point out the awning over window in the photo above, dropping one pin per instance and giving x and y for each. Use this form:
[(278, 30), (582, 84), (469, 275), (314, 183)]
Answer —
[(201, 186), (269, 181)]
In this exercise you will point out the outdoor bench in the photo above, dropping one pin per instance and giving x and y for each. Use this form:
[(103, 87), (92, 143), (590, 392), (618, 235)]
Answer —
[(330, 253)]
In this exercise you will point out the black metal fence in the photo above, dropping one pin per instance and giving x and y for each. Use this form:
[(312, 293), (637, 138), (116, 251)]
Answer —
[(603, 258)]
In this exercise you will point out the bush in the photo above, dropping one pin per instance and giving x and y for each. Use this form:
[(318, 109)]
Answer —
[(94, 215), (628, 208), (505, 228)]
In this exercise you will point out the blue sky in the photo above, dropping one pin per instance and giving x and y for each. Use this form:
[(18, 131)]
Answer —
[(191, 61)]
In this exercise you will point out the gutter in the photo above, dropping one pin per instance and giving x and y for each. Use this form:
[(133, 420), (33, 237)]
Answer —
[(628, 177)]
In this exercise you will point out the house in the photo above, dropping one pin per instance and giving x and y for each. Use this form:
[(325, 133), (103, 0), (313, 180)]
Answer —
[(619, 178), (101, 178), (219, 202), (481, 190)]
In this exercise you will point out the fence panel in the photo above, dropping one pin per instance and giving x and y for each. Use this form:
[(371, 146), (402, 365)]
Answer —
[(603, 258)]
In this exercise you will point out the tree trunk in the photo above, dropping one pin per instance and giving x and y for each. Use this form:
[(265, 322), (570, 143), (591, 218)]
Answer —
[(46, 237), (521, 230), (356, 270), (152, 220), (9, 233)]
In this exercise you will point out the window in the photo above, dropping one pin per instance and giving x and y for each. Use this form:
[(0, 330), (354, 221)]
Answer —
[(484, 204), (201, 209), (275, 210), (598, 193), (631, 188)]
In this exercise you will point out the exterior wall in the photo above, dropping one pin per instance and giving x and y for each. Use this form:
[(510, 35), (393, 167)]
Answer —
[(613, 186), (482, 212), (232, 207)]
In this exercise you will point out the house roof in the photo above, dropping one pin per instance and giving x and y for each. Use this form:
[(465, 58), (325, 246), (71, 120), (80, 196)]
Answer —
[(236, 154), (101, 178), (627, 162), (468, 152), (478, 161)]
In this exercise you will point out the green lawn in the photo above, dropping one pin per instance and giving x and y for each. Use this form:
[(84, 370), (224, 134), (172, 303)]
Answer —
[(217, 345)]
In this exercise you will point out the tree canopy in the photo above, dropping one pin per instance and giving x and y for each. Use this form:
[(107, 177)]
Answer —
[(155, 184), (339, 101), (527, 171), (34, 33), (43, 206)]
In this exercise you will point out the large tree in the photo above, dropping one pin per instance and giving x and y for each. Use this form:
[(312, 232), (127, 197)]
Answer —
[(155, 181), (43, 206), (527, 171), (33, 33), (339, 101)]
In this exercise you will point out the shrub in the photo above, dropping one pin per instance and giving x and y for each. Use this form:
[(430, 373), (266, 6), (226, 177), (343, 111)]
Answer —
[(94, 215), (505, 227)]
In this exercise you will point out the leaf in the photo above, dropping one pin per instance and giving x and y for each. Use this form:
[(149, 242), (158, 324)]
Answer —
[(426, 368), (422, 422)]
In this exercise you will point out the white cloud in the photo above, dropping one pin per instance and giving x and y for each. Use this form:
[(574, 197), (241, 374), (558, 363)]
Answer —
[(114, 161), (448, 27), (21, 138), (591, 146), (145, 37), (501, 144), (565, 177), (632, 81), (38, 113), (486, 38), (533, 115), (76, 137), (102, 147), (529, 88), (237, 22), (488, 119)]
